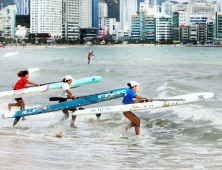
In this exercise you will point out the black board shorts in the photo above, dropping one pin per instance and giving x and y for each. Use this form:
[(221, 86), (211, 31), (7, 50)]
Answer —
[(17, 98), (61, 100)]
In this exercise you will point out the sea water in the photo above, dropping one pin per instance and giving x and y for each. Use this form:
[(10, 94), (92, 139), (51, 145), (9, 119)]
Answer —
[(181, 137)]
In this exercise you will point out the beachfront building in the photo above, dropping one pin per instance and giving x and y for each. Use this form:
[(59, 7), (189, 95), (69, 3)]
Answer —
[(176, 28), (104, 31), (95, 14), (199, 19), (127, 9), (110, 23), (193, 33), (184, 34), (8, 22), (218, 25), (46, 17), (70, 19), (143, 27), (184, 17), (88, 33), (163, 27), (210, 32), (202, 34), (85, 13), (120, 34), (22, 7)]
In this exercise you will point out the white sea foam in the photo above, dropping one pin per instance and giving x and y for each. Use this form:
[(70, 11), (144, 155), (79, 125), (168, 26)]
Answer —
[(147, 59), (32, 70), (10, 54)]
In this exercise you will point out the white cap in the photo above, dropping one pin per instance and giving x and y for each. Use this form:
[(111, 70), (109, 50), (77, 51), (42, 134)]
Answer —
[(90, 51), (68, 77), (133, 83)]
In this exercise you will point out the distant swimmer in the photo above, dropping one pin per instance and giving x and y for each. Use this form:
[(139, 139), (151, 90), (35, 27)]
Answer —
[(64, 94), (22, 83), (128, 99), (89, 56)]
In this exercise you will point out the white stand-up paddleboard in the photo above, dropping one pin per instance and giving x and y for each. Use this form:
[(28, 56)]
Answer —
[(48, 88), (156, 103)]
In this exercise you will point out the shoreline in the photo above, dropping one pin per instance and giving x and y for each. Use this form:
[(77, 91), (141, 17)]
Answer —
[(115, 45)]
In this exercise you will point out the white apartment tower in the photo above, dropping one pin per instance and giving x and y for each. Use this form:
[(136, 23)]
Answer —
[(149, 6), (22, 7), (85, 13), (127, 9), (46, 17), (70, 19), (103, 10)]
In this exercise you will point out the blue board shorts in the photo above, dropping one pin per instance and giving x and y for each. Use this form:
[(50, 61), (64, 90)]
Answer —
[(88, 58)]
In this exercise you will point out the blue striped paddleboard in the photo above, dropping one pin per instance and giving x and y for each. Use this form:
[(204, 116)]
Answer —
[(46, 88), (81, 101)]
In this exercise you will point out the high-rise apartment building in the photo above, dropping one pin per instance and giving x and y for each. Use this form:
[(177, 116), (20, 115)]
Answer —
[(176, 28), (127, 9), (8, 22), (210, 32), (150, 7), (85, 13), (163, 27), (218, 25), (46, 17), (70, 19), (95, 14), (103, 9), (1, 6), (103, 13), (22, 7)]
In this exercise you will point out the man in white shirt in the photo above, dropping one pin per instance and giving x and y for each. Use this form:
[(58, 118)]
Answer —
[(64, 94)]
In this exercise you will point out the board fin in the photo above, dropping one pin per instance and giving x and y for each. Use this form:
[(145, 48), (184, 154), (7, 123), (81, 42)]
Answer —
[(16, 121)]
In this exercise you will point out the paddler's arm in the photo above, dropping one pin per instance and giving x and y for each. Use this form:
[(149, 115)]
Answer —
[(70, 94), (141, 97), (29, 82)]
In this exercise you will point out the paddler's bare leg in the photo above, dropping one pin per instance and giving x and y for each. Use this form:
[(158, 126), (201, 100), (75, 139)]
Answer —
[(73, 119), (66, 115), (135, 121), (20, 103)]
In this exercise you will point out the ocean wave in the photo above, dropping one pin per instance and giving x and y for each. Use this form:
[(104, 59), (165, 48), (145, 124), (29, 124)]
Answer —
[(10, 54), (61, 61), (109, 71), (32, 70), (172, 88), (213, 76)]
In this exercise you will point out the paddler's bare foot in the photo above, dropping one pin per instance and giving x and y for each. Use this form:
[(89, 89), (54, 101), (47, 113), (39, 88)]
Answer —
[(23, 118), (9, 107), (73, 126)]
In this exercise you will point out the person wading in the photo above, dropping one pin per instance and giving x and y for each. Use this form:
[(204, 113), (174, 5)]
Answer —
[(64, 94), (22, 83), (128, 99)]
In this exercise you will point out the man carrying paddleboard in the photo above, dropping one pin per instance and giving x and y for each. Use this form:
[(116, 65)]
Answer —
[(89, 56), (20, 85), (64, 94), (128, 99)]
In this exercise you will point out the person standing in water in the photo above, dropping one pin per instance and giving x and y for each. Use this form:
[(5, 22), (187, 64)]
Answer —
[(89, 56), (64, 94), (22, 83), (128, 99)]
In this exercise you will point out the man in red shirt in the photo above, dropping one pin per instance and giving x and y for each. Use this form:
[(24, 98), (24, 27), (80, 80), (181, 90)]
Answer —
[(89, 56)]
